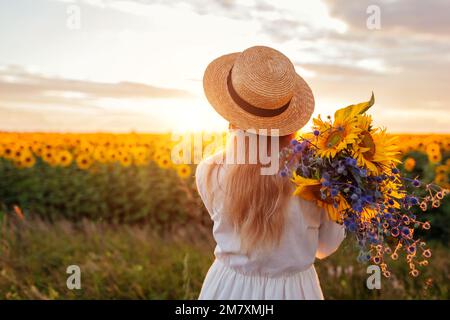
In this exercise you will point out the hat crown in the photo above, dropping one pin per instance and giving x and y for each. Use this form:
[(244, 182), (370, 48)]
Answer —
[(263, 77)]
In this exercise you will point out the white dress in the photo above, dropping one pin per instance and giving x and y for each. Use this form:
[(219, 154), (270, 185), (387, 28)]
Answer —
[(284, 273)]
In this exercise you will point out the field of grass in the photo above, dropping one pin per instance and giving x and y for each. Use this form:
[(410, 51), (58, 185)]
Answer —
[(134, 262)]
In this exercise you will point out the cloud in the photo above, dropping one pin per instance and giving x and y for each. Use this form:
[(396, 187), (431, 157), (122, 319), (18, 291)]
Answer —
[(409, 16), (18, 85), (405, 62)]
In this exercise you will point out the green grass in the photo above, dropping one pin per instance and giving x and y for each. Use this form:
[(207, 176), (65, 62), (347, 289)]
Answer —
[(116, 262), (133, 262)]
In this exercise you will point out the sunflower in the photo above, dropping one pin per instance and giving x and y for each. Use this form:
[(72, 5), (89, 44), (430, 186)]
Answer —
[(308, 189), (334, 137), (37, 149), (17, 153), (435, 157), (375, 150), (111, 155), (433, 148), (335, 213), (442, 169), (441, 179), (183, 171), (84, 161), (368, 213), (164, 162), (125, 160), (409, 164), (392, 190), (64, 158), (8, 151), (26, 160), (100, 154), (85, 147), (48, 156)]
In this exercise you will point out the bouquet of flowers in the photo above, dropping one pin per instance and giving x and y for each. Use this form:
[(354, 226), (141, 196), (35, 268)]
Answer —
[(348, 167)]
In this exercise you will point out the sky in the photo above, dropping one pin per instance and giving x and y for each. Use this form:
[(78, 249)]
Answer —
[(122, 65)]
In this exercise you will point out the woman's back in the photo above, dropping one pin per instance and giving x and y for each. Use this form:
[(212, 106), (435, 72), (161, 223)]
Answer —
[(307, 233), (266, 240)]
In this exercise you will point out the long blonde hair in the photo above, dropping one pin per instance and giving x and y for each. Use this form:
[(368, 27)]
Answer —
[(254, 203)]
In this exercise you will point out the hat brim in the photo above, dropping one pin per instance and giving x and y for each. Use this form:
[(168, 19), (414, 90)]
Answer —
[(293, 118)]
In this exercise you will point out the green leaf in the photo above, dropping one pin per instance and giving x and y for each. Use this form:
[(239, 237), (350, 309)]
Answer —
[(354, 109)]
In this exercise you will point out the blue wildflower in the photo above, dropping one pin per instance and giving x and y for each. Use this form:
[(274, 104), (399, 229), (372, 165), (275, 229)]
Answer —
[(405, 231), (299, 147), (363, 172), (284, 173), (350, 162)]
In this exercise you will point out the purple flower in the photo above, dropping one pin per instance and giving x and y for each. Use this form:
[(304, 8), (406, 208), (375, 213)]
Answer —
[(411, 249), (299, 147), (352, 227), (326, 183), (334, 192), (405, 231), (284, 173), (395, 232), (350, 161), (316, 133)]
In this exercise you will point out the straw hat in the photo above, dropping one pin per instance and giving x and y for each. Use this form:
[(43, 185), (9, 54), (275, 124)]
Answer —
[(259, 89)]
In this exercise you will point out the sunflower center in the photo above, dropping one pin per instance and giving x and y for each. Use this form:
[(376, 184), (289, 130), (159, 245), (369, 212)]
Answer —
[(367, 142), (334, 138)]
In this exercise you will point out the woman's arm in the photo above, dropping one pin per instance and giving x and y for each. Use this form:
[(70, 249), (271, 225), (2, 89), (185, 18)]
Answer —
[(331, 235)]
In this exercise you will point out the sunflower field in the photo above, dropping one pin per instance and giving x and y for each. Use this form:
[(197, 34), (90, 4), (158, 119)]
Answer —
[(120, 178), (119, 204), (126, 178)]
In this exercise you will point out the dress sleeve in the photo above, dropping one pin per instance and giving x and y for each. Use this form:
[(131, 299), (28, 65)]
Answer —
[(200, 182), (331, 235)]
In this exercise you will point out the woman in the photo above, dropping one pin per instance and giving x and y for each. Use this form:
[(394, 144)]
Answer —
[(267, 239)]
